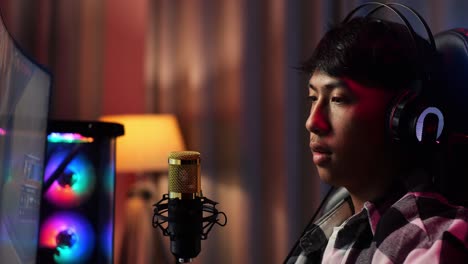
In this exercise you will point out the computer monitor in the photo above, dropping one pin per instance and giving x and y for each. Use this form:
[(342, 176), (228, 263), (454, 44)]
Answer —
[(24, 105)]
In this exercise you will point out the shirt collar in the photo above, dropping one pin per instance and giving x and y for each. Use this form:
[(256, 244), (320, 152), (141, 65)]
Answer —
[(378, 207)]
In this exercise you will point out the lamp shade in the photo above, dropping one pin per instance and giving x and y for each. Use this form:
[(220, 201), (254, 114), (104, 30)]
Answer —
[(148, 140)]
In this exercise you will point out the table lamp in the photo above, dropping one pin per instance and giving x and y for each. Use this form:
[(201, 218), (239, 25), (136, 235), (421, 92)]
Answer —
[(148, 140), (143, 150)]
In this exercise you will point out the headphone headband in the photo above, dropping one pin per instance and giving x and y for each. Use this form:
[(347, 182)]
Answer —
[(421, 20), (407, 24)]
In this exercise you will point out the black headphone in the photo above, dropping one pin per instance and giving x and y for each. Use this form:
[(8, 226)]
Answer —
[(410, 119)]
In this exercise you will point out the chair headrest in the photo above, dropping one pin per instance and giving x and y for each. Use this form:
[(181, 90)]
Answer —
[(452, 46)]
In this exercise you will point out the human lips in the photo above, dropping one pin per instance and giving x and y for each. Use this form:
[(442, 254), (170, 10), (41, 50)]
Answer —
[(321, 153), (320, 147)]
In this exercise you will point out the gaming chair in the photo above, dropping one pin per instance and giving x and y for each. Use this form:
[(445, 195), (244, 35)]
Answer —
[(453, 48)]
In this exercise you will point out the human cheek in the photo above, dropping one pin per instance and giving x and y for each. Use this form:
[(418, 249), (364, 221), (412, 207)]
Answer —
[(367, 137), (343, 128), (357, 133)]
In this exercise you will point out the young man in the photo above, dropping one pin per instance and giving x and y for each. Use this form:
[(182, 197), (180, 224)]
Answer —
[(358, 70)]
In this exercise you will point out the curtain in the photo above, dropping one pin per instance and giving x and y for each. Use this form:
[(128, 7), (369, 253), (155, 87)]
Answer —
[(226, 69)]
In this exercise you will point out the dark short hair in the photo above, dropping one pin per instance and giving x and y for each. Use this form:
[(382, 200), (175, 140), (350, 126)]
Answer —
[(374, 52)]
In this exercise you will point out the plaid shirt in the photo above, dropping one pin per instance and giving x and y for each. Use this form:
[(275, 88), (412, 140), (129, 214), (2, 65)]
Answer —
[(416, 227)]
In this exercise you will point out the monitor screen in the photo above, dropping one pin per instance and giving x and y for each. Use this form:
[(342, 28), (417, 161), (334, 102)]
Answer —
[(24, 104)]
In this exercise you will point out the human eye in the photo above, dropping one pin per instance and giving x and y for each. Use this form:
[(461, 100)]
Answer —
[(340, 99), (312, 98)]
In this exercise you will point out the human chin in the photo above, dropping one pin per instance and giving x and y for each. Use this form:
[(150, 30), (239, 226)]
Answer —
[(327, 176), (334, 175)]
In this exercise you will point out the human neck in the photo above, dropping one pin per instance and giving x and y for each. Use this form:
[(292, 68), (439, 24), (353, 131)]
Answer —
[(358, 202), (376, 180), (369, 192)]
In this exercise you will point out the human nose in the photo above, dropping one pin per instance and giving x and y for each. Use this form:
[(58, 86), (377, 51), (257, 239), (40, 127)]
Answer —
[(318, 122)]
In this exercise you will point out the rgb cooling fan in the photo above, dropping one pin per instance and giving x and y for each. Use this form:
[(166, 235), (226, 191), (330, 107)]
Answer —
[(70, 235), (75, 182)]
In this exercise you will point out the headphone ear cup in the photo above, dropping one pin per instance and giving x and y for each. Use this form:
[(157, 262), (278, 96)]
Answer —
[(429, 125), (412, 121), (398, 115)]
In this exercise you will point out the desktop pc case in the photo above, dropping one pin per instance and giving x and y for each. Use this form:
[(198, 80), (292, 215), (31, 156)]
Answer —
[(77, 207)]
